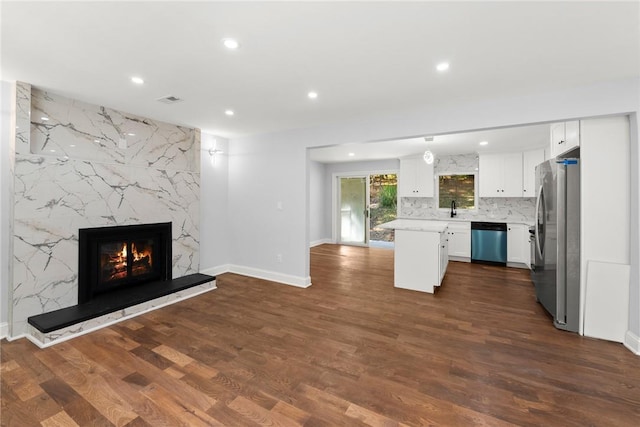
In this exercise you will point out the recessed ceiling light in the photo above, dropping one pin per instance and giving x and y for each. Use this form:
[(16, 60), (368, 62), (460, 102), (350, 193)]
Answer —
[(484, 142), (52, 151), (231, 43), (229, 112), (137, 80), (312, 95), (131, 134), (96, 140), (352, 154), (72, 145), (443, 66), (44, 118)]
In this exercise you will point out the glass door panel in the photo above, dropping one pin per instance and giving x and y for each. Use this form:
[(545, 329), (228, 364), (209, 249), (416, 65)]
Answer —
[(354, 224)]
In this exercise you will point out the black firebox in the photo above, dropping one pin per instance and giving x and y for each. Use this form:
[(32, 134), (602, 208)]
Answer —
[(112, 258)]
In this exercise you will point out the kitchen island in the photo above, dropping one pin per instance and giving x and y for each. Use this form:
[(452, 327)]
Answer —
[(421, 253)]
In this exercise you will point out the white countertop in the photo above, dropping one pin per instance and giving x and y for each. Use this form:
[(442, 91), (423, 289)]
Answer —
[(478, 219), (416, 225)]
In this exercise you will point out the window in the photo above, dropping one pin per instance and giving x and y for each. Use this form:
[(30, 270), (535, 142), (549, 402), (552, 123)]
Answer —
[(458, 187)]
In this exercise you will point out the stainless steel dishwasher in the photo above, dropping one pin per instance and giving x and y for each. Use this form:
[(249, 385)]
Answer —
[(489, 242)]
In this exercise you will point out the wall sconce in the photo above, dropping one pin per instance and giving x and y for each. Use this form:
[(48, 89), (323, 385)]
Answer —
[(213, 153)]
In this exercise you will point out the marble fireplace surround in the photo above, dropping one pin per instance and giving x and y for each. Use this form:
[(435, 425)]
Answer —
[(77, 165)]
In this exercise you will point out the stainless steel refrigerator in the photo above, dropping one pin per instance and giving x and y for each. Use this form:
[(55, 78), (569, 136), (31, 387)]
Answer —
[(556, 271)]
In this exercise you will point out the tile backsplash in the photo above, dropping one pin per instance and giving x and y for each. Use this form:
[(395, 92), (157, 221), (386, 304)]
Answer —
[(515, 209)]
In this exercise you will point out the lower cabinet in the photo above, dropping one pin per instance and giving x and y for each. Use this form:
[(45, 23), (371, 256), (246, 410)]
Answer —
[(444, 254), (518, 246), (459, 235), (420, 259)]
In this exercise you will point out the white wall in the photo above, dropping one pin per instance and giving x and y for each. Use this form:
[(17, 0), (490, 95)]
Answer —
[(319, 230), (605, 197), (633, 335), (6, 104), (214, 205), (264, 169)]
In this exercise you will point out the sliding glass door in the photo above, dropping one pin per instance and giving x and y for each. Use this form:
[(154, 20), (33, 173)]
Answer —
[(354, 210)]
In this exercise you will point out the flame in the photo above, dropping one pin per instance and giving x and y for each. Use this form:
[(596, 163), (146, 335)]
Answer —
[(138, 255)]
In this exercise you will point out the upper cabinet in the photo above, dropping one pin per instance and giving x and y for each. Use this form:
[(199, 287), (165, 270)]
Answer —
[(530, 159), (564, 137), (500, 175), (416, 178)]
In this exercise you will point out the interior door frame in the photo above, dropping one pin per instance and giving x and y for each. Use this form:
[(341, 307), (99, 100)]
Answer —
[(335, 198)]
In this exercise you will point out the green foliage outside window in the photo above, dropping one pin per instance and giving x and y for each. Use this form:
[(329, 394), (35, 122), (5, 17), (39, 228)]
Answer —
[(460, 188)]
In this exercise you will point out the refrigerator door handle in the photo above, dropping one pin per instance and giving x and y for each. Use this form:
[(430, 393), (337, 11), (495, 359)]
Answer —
[(561, 273), (538, 201)]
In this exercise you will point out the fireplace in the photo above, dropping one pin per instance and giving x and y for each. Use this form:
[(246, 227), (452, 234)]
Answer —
[(115, 258)]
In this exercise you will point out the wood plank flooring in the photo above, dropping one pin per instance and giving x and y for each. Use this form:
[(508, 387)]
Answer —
[(350, 350)]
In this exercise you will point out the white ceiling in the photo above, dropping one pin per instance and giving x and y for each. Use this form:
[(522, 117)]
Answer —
[(363, 58), (499, 140)]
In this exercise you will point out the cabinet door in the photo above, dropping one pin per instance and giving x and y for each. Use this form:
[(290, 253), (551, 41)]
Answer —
[(516, 244), (512, 175), (557, 139), (530, 159), (490, 175), (407, 178), (444, 255), (424, 179), (460, 243), (571, 135)]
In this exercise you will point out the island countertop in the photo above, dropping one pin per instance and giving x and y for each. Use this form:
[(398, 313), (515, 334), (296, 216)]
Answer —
[(416, 225)]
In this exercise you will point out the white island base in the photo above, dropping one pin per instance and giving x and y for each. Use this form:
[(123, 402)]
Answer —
[(421, 254)]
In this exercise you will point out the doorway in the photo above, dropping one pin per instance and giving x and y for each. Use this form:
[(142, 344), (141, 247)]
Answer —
[(365, 202)]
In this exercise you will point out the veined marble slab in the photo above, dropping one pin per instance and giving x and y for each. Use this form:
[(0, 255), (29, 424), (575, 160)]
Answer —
[(415, 225), (156, 178)]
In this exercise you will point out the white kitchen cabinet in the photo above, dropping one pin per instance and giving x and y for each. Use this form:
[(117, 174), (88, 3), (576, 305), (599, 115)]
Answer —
[(420, 259), (518, 246), (444, 256), (530, 159), (459, 236), (500, 175), (416, 178), (564, 137)]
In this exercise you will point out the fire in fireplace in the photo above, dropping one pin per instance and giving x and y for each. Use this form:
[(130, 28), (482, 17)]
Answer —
[(114, 257), (121, 260)]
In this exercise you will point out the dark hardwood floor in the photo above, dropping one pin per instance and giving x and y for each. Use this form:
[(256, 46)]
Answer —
[(350, 350)]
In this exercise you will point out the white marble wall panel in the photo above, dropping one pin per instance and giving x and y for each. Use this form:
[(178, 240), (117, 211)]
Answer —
[(89, 132), (516, 209), (23, 112), (55, 194)]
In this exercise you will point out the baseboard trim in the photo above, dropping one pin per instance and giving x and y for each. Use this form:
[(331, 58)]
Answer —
[(214, 271), (320, 242), (4, 330), (632, 342), (272, 276)]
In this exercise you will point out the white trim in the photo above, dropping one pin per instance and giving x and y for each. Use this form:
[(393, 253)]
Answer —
[(320, 242), (113, 322), (632, 342), (4, 330), (272, 276), (214, 271)]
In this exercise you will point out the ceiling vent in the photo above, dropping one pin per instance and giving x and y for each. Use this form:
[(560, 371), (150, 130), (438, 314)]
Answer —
[(169, 99)]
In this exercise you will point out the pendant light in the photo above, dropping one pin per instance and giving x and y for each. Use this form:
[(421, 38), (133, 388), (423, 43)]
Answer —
[(428, 155)]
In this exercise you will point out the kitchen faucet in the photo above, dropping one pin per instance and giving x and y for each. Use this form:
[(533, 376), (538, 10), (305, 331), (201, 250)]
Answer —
[(453, 208)]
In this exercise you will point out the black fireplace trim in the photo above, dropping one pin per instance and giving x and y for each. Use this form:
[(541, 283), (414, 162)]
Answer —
[(88, 248)]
